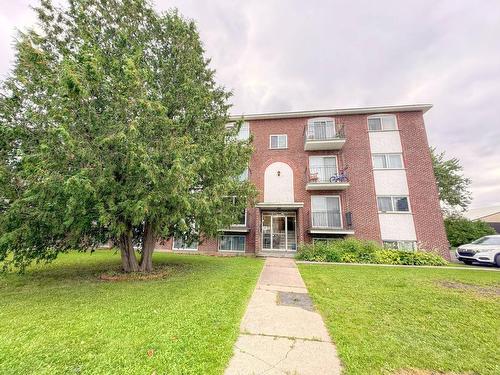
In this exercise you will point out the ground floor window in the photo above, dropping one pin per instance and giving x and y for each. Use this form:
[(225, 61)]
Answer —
[(400, 245), (180, 244), (231, 242)]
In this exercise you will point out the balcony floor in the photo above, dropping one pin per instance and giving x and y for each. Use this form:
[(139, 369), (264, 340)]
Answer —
[(325, 230), (327, 185), (323, 144)]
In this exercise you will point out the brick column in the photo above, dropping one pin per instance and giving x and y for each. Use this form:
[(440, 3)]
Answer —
[(258, 229)]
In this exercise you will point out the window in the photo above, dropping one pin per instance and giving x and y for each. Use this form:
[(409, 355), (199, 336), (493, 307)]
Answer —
[(382, 122), (322, 168), (278, 141), (242, 219), (180, 244), (321, 128), (325, 211), (488, 241), (243, 133), (231, 243), (393, 204), (244, 175), (387, 161), (400, 245)]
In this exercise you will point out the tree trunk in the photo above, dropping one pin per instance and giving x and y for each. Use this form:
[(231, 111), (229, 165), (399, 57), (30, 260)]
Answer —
[(148, 246), (129, 261)]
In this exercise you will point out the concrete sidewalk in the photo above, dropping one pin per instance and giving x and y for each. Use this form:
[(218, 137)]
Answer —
[(280, 332)]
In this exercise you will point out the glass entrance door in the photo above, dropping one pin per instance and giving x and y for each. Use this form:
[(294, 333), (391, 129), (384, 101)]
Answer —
[(278, 231)]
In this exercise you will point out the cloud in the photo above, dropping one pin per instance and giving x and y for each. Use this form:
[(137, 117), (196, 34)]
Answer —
[(289, 55)]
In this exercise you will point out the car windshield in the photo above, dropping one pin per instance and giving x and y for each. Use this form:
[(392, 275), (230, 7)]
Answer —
[(487, 241)]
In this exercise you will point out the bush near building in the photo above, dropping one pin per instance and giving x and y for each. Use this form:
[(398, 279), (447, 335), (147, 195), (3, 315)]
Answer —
[(461, 230), (357, 251)]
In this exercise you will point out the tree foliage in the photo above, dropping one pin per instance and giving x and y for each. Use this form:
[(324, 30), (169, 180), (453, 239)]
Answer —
[(461, 230), (112, 127), (453, 186)]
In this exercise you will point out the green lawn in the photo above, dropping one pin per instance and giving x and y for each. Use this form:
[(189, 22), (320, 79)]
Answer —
[(386, 319), (62, 319)]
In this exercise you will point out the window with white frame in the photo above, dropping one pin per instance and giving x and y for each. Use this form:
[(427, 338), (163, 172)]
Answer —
[(393, 204), (382, 122), (243, 133), (180, 244), (231, 242), (321, 128), (387, 161), (277, 141), (242, 219), (325, 211), (400, 245)]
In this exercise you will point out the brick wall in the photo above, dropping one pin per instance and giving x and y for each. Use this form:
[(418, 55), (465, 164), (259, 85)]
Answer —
[(359, 198), (424, 197)]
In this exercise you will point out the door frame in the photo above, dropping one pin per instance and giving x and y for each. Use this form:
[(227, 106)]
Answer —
[(284, 214)]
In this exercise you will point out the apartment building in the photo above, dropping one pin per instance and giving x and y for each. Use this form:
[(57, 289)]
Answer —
[(329, 174)]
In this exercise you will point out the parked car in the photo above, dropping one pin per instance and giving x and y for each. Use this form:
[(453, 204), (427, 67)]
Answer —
[(484, 250)]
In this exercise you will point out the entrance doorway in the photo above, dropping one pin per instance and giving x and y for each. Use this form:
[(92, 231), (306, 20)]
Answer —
[(279, 231)]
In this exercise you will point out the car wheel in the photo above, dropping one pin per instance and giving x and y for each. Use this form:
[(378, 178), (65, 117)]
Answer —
[(468, 262), (497, 260)]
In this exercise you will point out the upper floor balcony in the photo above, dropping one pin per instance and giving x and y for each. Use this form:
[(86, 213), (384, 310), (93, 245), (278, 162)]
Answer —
[(327, 178), (323, 134)]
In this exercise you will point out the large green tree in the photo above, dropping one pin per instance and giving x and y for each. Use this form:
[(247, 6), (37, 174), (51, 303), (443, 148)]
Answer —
[(112, 128), (453, 186)]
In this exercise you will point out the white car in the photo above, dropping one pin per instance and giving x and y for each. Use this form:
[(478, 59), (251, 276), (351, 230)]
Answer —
[(484, 250)]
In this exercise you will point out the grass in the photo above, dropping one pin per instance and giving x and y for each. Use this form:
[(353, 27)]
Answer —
[(388, 319), (62, 318)]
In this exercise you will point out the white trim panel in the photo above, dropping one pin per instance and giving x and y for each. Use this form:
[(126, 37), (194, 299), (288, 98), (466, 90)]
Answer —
[(397, 227), (385, 142), (390, 182)]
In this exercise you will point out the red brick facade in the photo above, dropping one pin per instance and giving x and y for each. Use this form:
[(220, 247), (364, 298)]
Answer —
[(359, 198)]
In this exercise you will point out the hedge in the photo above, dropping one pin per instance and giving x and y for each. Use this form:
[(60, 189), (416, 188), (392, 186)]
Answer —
[(461, 230), (352, 250)]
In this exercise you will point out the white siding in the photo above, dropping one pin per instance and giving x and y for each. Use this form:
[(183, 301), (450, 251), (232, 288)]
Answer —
[(397, 227), (385, 142), (278, 189), (390, 182)]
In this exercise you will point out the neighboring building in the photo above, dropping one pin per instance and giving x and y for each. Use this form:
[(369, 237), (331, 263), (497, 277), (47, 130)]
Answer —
[(328, 174), (490, 215)]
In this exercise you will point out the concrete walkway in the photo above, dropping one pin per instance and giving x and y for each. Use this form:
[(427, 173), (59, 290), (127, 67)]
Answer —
[(280, 332)]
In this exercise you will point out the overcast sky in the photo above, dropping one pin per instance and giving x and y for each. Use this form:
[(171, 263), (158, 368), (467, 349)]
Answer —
[(296, 54)]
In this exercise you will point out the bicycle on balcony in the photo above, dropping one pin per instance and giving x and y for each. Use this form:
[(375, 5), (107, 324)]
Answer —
[(339, 177)]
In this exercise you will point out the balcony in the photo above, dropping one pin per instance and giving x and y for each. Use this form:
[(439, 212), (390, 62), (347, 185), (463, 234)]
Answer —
[(321, 136), (327, 178), (329, 222)]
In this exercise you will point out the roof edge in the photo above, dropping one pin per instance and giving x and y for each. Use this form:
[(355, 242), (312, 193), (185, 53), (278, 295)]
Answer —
[(332, 112)]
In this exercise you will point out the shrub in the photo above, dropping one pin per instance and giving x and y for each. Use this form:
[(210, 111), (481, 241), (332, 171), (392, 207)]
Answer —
[(352, 250), (461, 230)]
